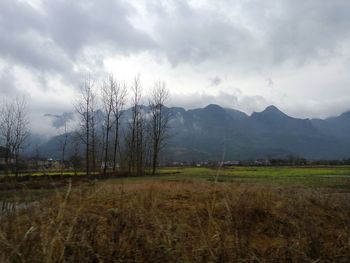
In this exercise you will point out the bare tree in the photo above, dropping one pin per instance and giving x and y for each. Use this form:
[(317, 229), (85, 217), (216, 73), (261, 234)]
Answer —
[(14, 125), (7, 123), (84, 108), (93, 136), (107, 100), (75, 158), (159, 121), (21, 129), (135, 139), (119, 101), (64, 136)]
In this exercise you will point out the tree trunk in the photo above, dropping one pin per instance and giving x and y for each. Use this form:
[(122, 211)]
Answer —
[(115, 146), (106, 148), (87, 153)]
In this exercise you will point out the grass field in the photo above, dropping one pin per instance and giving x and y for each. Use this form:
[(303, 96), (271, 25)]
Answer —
[(260, 214), (335, 177), (38, 184)]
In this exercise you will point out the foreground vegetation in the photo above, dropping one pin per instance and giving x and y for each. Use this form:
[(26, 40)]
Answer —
[(183, 215)]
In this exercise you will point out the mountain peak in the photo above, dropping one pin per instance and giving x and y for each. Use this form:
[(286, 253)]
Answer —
[(270, 112), (213, 107), (271, 108)]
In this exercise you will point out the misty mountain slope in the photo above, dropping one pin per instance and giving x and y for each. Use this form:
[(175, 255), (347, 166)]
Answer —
[(266, 134), (212, 132), (338, 127)]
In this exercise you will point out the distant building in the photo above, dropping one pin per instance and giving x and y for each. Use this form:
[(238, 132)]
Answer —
[(51, 163), (45, 163), (262, 162), (229, 163), (175, 164)]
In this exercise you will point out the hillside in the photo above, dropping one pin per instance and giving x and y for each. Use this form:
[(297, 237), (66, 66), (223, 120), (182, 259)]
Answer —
[(209, 133)]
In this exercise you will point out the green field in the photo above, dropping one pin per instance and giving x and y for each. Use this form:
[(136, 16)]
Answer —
[(334, 177), (318, 176), (37, 185)]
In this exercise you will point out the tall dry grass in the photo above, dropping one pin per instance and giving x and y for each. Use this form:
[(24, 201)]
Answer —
[(180, 222)]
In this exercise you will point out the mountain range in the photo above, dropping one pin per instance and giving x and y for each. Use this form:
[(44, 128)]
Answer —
[(214, 132)]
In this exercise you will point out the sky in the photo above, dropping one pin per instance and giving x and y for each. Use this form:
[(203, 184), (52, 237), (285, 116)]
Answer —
[(242, 54)]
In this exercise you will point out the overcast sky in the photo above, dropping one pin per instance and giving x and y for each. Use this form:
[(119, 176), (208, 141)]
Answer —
[(244, 54)]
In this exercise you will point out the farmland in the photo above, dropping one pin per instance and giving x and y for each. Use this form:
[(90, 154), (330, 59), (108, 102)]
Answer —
[(278, 176), (182, 214)]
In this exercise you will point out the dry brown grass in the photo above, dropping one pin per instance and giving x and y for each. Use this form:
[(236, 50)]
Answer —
[(180, 222)]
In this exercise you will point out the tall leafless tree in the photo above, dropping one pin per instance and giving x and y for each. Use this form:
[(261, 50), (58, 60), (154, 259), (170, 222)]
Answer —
[(119, 101), (84, 108), (93, 136), (159, 121), (75, 158), (63, 133), (21, 129), (135, 139), (7, 123), (14, 125), (107, 100)]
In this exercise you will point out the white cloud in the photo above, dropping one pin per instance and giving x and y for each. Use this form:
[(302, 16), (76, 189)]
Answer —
[(201, 49)]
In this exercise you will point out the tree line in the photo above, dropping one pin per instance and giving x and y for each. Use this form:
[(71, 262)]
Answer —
[(109, 138)]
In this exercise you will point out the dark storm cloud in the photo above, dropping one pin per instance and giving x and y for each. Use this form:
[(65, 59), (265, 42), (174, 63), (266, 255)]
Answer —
[(276, 32), (24, 40), (74, 25), (28, 50), (192, 35), (53, 37)]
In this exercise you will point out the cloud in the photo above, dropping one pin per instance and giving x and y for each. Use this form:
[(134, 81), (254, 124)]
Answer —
[(54, 38), (318, 109), (235, 100), (7, 82), (269, 82), (250, 34), (74, 25), (301, 32), (59, 121), (62, 40), (194, 35), (215, 81), (266, 33)]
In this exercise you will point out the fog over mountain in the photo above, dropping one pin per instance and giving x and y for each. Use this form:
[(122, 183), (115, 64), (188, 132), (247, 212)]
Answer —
[(215, 132)]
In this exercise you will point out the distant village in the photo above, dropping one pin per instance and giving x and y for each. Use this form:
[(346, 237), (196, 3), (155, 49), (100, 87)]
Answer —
[(40, 163)]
